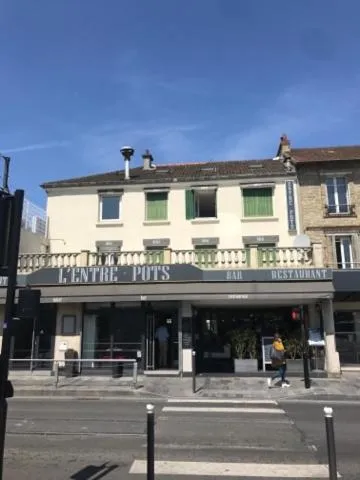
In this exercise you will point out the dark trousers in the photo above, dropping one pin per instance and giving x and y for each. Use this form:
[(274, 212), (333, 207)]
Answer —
[(281, 372)]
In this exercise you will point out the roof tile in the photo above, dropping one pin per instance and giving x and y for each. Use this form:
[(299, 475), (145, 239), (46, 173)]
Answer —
[(186, 172)]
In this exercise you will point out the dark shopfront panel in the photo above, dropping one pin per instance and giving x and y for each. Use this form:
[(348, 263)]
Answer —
[(117, 332), (213, 327), (33, 339)]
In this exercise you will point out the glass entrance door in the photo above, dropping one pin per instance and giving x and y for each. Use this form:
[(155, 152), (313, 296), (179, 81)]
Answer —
[(162, 348), (150, 342)]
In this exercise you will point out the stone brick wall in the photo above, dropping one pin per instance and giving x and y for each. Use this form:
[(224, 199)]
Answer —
[(313, 201)]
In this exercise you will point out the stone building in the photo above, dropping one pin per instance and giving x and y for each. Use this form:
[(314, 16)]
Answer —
[(329, 213)]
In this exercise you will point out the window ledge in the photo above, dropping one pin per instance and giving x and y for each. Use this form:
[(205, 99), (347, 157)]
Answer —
[(197, 221), (109, 224), (156, 222), (259, 219)]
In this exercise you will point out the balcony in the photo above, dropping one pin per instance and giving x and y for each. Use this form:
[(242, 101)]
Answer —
[(237, 258)]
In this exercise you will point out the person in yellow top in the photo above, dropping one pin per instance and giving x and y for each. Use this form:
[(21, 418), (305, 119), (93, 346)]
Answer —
[(278, 361)]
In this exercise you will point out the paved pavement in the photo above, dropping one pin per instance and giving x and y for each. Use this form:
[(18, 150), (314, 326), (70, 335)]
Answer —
[(175, 387), (195, 438)]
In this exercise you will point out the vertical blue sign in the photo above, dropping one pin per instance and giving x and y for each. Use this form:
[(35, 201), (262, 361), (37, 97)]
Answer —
[(290, 201)]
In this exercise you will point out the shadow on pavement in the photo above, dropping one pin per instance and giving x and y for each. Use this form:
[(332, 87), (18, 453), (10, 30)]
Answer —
[(92, 472)]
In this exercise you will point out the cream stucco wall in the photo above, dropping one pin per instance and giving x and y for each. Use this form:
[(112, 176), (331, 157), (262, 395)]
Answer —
[(74, 219), (71, 341)]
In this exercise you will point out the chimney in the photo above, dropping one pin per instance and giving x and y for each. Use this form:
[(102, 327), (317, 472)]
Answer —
[(127, 153), (148, 161), (285, 147)]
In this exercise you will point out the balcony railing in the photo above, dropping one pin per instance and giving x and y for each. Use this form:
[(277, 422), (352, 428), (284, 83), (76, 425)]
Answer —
[(282, 257), (342, 210)]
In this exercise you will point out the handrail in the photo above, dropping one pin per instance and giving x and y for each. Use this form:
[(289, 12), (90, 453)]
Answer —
[(82, 360)]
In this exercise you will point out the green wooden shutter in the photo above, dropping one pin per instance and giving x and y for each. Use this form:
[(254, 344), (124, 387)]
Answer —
[(205, 256), (189, 204), (258, 202), (154, 256), (156, 206), (266, 256)]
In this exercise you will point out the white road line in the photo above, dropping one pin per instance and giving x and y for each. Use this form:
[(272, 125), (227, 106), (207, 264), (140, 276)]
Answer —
[(276, 411), (225, 401), (212, 469), (322, 402)]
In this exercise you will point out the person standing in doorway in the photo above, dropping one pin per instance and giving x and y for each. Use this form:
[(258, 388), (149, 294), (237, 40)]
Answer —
[(162, 336), (278, 361)]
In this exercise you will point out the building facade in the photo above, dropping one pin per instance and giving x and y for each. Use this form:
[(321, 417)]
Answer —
[(329, 197), (214, 253)]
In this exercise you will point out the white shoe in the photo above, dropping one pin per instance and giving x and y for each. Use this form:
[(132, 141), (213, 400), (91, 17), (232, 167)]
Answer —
[(284, 385), (269, 382)]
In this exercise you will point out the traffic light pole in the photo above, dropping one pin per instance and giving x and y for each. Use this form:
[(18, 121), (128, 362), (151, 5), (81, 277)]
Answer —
[(16, 206), (305, 335)]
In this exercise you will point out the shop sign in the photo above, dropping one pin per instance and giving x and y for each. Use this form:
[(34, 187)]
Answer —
[(269, 275), (290, 201), (169, 273)]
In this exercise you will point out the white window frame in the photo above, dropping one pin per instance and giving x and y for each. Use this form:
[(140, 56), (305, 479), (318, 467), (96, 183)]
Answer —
[(343, 262), (336, 195), (107, 195)]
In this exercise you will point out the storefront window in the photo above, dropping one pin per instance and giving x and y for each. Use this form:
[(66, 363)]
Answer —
[(111, 334), (347, 332)]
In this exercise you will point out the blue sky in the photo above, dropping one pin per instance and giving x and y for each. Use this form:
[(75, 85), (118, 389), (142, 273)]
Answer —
[(191, 80)]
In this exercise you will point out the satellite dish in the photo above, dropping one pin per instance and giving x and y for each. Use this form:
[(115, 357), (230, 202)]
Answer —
[(302, 241)]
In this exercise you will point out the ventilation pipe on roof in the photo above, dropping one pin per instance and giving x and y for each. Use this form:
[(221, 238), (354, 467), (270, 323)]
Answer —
[(127, 153), (148, 161)]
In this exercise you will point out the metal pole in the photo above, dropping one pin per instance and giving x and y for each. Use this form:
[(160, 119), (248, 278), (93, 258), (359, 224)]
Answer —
[(14, 233), (305, 335), (330, 439), (150, 442), (193, 368)]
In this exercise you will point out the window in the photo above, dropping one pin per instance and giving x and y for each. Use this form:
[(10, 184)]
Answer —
[(156, 206), (337, 195), (154, 256), (258, 202), (205, 256), (110, 207), (200, 204), (343, 252), (68, 325)]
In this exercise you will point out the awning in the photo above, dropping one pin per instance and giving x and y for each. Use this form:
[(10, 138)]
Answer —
[(282, 293)]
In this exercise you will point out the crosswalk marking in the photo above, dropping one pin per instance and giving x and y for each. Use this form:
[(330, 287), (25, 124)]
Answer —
[(271, 411), (259, 470), (222, 401)]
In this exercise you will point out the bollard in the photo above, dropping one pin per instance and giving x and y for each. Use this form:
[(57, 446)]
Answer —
[(193, 367), (307, 381), (150, 442), (56, 372), (330, 438)]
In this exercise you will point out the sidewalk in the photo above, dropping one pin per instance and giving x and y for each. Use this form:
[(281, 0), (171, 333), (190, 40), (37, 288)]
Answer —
[(175, 387)]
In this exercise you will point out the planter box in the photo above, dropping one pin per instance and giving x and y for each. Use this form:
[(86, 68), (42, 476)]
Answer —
[(245, 365), (295, 366)]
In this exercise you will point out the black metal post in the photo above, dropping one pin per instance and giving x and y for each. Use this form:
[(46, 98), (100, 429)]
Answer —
[(305, 335), (150, 442), (14, 237), (330, 439), (193, 370)]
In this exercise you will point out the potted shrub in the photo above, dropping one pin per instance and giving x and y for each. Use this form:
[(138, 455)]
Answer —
[(294, 349), (244, 347)]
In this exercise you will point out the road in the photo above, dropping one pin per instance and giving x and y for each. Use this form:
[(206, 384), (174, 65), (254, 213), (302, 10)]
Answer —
[(90, 440)]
